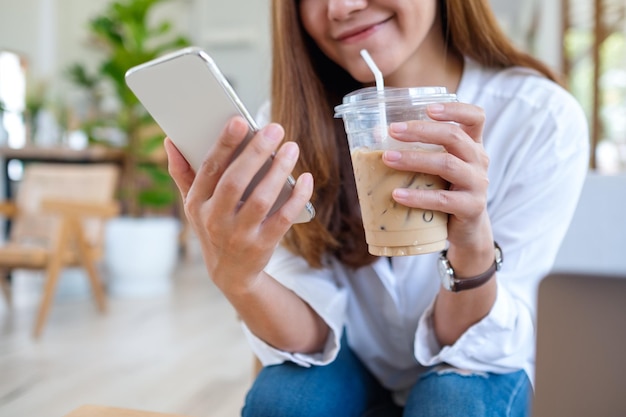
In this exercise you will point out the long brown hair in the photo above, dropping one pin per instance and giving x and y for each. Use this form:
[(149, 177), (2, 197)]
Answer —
[(306, 85)]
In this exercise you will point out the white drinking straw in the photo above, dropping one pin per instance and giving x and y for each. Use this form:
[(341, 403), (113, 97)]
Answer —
[(380, 87)]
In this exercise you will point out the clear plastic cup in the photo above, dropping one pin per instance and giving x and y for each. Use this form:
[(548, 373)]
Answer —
[(392, 229)]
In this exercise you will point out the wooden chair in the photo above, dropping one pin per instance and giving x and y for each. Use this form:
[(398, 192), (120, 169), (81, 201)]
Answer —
[(57, 220)]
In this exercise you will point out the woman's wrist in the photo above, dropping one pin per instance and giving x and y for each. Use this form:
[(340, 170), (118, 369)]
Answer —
[(234, 283), (471, 262), (475, 255)]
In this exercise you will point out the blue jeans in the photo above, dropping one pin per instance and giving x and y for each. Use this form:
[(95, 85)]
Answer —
[(345, 388)]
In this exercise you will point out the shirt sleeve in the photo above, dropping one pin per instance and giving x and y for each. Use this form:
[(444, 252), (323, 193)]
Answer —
[(541, 177), (495, 344), (319, 289)]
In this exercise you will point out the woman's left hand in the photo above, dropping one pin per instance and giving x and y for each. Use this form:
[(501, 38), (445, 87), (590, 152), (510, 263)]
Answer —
[(464, 166)]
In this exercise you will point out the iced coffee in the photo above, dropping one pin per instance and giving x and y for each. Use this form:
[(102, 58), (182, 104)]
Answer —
[(392, 229)]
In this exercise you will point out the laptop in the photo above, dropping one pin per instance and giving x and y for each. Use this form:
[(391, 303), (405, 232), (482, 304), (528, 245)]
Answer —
[(581, 346)]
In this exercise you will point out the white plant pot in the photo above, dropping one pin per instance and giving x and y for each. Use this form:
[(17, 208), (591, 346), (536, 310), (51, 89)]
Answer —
[(140, 255)]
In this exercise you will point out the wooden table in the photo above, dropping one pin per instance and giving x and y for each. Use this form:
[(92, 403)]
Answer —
[(92, 154), (63, 154)]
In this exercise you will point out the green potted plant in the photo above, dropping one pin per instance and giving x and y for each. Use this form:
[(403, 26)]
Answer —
[(126, 36)]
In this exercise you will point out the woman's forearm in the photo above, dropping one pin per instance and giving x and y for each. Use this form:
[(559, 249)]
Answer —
[(470, 253), (455, 312), (279, 317)]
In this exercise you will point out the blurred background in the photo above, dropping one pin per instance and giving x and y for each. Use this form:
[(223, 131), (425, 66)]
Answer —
[(169, 342)]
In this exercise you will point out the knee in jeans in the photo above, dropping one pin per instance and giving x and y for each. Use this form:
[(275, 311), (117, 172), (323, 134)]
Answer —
[(278, 405), (259, 404), (343, 388), (291, 397)]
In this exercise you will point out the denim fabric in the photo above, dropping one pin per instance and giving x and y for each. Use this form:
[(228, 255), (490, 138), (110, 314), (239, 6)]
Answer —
[(448, 392), (345, 388)]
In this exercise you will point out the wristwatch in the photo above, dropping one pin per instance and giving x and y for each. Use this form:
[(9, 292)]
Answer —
[(451, 282)]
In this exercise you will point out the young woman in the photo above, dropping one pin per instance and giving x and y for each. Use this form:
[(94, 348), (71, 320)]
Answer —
[(343, 333)]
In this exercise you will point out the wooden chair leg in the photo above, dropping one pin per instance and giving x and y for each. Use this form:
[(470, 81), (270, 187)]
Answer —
[(52, 277), (88, 263), (96, 284), (50, 285)]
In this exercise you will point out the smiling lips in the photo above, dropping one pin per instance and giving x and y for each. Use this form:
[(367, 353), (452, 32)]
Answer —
[(360, 33)]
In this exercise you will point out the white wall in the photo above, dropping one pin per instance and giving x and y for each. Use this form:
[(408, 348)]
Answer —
[(534, 25), (237, 34)]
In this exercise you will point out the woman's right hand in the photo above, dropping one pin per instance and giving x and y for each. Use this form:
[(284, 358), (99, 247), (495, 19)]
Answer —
[(237, 239)]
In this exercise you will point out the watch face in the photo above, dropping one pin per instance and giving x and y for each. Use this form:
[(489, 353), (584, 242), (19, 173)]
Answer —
[(498, 257), (445, 273)]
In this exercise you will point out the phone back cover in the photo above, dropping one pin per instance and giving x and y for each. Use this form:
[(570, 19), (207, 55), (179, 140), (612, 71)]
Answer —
[(191, 93)]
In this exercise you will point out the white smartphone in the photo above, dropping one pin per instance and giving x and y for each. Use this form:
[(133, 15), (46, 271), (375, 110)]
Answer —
[(191, 100)]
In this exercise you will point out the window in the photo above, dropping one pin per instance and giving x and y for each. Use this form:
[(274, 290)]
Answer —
[(594, 66)]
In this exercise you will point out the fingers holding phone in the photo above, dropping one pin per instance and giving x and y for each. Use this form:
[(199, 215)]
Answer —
[(250, 173), (259, 206), (244, 173)]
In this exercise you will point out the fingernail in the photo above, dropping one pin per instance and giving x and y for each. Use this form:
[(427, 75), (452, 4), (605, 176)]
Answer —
[(400, 193), (273, 132), (234, 126), (307, 178), (291, 150), (399, 127), (392, 156), (436, 108)]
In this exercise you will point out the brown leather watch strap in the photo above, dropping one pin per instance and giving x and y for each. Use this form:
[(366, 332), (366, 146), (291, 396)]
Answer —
[(461, 284)]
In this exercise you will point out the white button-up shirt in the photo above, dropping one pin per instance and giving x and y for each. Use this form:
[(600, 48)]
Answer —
[(536, 137)]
